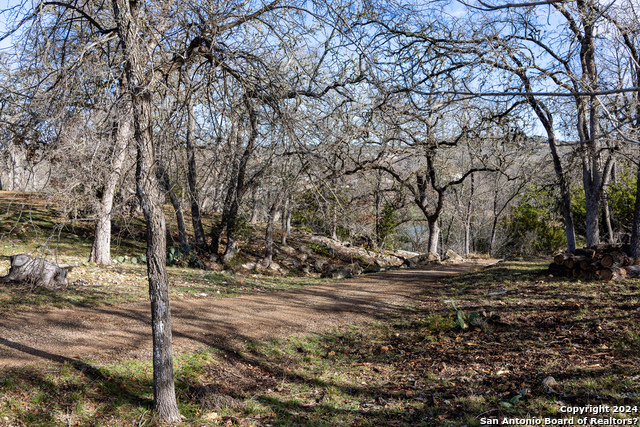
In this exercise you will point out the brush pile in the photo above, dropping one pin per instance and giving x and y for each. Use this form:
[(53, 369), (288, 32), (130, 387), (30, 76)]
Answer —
[(600, 262)]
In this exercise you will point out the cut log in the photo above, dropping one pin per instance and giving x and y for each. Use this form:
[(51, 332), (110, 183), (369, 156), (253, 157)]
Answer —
[(556, 270), (613, 273), (569, 262), (585, 264), (589, 253), (605, 274), (613, 259), (36, 271), (559, 259)]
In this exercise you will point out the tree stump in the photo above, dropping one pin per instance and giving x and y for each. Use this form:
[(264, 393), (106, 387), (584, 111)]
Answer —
[(36, 271)]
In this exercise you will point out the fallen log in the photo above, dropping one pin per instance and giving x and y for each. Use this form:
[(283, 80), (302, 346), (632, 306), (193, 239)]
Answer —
[(36, 272)]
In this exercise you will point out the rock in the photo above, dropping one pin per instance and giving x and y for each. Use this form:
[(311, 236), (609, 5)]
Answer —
[(451, 256), (341, 273), (420, 260), (353, 269), (211, 416), (291, 262), (287, 250), (274, 266), (405, 254), (36, 271), (319, 264), (549, 383), (251, 265), (306, 250), (316, 238), (433, 257)]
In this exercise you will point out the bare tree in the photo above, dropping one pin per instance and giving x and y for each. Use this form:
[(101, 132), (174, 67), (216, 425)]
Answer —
[(101, 248)]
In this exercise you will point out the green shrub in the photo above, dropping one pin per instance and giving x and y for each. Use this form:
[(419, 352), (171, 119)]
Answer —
[(533, 226), (183, 256)]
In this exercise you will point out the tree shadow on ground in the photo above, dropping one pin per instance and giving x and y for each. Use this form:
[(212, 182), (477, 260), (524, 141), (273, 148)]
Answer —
[(58, 389)]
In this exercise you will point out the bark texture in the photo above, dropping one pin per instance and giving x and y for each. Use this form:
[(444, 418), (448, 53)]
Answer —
[(129, 20), (35, 271)]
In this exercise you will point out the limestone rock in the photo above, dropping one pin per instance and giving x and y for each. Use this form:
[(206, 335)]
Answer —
[(336, 273), (287, 250), (421, 260), (451, 256), (353, 269), (319, 264), (306, 250)]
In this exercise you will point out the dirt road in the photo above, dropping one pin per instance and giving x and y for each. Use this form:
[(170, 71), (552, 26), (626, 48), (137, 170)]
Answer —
[(106, 334)]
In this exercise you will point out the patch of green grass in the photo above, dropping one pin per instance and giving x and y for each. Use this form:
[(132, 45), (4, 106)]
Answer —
[(320, 250), (31, 225)]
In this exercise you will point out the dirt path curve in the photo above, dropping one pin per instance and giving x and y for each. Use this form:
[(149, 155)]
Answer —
[(106, 334)]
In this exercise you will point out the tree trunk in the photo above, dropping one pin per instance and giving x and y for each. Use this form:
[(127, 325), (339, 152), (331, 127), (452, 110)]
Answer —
[(268, 245), (592, 218), (286, 221), (467, 235), (434, 234), (15, 170), (163, 176), (333, 225), (467, 223), (183, 236), (232, 229), (607, 220), (218, 229), (635, 229), (594, 175), (149, 194), (237, 189), (101, 248), (192, 172), (494, 223), (546, 119), (255, 208), (127, 19)]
